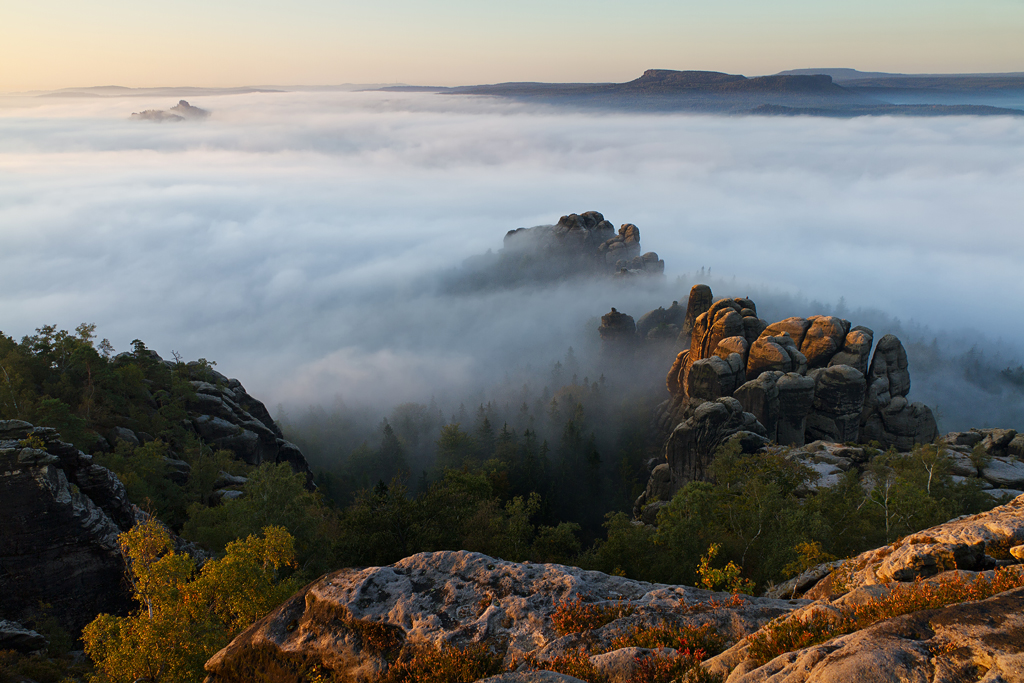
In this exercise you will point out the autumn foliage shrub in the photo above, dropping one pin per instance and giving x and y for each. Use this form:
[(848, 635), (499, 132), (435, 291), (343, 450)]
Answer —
[(184, 615), (444, 664), (680, 637), (576, 616), (682, 665)]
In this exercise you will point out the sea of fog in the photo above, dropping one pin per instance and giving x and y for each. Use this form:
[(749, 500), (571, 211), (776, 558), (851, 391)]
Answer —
[(297, 238)]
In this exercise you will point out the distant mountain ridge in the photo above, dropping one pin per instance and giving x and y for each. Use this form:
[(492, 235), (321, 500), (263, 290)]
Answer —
[(805, 92)]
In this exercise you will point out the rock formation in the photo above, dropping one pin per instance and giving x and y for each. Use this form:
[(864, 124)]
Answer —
[(351, 624), (58, 531), (182, 111), (691, 447), (462, 598), (225, 416), (661, 323), (618, 332), (801, 379), (577, 245), (887, 416)]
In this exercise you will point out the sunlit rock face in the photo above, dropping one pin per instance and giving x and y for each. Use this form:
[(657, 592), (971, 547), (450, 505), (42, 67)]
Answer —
[(804, 379), (461, 598)]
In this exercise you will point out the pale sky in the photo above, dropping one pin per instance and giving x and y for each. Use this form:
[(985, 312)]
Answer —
[(47, 44)]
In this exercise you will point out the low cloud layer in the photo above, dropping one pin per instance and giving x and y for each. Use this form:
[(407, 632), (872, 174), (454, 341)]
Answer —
[(294, 237)]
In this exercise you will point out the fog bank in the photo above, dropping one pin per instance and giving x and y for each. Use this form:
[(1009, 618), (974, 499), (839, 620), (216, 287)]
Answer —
[(295, 238)]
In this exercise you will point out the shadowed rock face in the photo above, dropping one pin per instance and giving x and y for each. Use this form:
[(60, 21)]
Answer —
[(887, 416), (225, 416), (457, 598), (60, 516), (691, 448), (699, 302)]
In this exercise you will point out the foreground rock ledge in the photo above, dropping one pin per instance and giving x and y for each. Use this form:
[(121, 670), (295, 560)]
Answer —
[(456, 598)]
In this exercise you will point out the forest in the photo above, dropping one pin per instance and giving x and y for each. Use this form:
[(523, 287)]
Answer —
[(548, 478)]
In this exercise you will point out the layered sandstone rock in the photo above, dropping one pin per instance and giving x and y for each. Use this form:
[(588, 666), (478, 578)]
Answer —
[(808, 378), (838, 403)]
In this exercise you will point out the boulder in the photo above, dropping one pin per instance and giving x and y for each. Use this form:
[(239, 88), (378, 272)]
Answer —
[(794, 328), (887, 416), (997, 441), (692, 445), (856, 349), (618, 331), (178, 471), (673, 316), (714, 377), (1004, 473), (123, 434), (462, 598), (659, 486), (775, 354), (225, 480), (838, 401), (823, 339), (731, 345), (900, 424), (721, 321), (14, 636), (890, 363)]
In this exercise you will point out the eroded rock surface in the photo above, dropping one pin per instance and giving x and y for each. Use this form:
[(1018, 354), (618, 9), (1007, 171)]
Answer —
[(458, 598), (974, 542), (970, 641)]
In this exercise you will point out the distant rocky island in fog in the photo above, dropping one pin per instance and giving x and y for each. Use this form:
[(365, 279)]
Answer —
[(180, 112)]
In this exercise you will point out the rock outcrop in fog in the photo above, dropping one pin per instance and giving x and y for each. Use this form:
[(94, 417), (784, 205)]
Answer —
[(577, 245), (742, 380), (182, 111)]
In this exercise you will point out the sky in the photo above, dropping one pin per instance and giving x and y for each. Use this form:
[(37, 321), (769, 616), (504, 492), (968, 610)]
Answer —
[(49, 44), (299, 239)]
